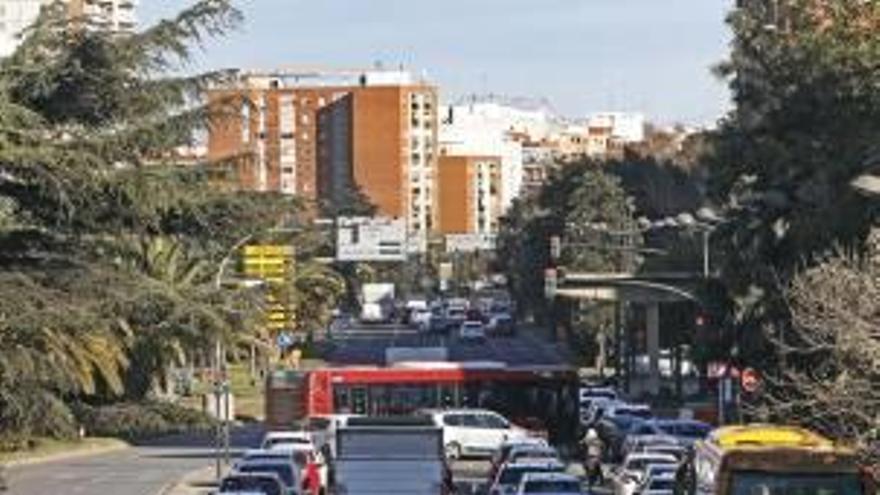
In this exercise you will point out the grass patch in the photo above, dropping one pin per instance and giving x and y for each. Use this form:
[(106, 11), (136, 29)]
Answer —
[(49, 447), (248, 393)]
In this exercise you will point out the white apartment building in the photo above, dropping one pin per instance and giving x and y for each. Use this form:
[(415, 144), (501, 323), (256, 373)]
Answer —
[(486, 129), (18, 15), (625, 127)]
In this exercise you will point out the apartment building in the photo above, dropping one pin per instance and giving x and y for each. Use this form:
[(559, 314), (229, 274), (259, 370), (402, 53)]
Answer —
[(321, 134), (469, 194), (18, 15)]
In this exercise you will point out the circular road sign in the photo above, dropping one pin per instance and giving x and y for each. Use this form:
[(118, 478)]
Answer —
[(750, 380)]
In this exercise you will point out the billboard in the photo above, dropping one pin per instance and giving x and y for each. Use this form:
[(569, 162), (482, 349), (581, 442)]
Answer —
[(371, 239)]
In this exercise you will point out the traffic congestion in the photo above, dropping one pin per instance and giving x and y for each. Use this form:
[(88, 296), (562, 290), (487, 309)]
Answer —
[(482, 428)]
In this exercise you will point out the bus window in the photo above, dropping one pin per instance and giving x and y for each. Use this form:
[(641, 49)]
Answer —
[(447, 395), (341, 399), (359, 400)]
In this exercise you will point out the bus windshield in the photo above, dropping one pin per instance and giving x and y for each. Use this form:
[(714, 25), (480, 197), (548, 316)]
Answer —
[(761, 483)]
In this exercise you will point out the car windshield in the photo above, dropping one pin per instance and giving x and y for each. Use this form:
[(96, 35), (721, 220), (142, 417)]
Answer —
[(661, 484), (760, 483), (639, 464), (247, 484), (284, 471), (551, 486), (513, 474)]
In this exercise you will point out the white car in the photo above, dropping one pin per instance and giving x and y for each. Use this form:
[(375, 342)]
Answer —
[(472, 330), (286, 440), (658, 484), (549, 484), (632, 471), (510, 476), (474, 432)]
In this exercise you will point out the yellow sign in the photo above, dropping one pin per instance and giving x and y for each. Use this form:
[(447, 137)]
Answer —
[(275, 265)]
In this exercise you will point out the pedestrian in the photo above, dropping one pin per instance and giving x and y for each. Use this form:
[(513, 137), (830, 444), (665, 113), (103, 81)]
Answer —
[(312, 481), (592, 446)]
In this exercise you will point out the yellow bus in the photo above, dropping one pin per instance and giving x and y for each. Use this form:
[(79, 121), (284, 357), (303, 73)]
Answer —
[(771, 460)]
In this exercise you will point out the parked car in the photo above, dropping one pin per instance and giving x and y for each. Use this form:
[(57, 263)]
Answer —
[(474, 432), (472, 330), (549, 484), (287, 472), (251, 483), (631, 472), (509, 477), (286, 439)]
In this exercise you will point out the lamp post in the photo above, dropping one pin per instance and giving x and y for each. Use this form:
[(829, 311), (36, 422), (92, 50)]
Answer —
[(221, 384)]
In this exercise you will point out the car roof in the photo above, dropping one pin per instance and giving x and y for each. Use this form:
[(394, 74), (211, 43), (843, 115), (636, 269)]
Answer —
[(265, 462), (544, 476), (276, 452), (281, 435), (649, 456), (457, 411), (258, 474), (531, 462), (525, 442)]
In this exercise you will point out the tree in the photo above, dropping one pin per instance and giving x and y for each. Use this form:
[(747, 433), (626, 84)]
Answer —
[(829, 376), (106, 245), (573, 204), (805, 123)]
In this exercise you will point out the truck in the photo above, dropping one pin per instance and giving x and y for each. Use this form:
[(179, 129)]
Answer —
[(377, 302), (771, 459), (389, 456)]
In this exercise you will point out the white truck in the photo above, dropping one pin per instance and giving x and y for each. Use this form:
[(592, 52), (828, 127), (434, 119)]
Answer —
[(377, 302), (390, 456)]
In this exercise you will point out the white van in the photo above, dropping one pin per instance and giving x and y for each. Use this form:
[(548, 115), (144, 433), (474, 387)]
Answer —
[(474, 432)]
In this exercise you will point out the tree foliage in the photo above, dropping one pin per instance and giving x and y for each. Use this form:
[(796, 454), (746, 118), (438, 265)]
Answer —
[(829, 376), (805, 124), (109, 250)]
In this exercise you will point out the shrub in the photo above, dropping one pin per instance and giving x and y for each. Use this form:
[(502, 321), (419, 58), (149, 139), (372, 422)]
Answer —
[(139, 421)]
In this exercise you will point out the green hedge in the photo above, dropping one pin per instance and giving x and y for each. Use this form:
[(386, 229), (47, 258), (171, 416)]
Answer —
[(138, 421)]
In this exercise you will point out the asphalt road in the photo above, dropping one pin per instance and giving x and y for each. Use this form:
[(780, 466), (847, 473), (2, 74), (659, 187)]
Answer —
[(142, 470), (366, 344)]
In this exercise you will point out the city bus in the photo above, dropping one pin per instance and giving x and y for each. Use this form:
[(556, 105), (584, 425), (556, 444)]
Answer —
[(771, 460), (534, 395)]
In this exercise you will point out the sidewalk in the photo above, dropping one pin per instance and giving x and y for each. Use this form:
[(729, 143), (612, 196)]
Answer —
[(201, 482), (59, 451)]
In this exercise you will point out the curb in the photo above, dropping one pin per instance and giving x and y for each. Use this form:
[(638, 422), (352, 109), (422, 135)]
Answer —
[(115, 445)]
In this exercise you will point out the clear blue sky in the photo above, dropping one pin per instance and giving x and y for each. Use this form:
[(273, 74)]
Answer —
[(583, 55)]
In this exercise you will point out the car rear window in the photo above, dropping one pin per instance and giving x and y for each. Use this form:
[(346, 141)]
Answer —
[(512, 475), (284, 471), (250, 484), (550, 486)]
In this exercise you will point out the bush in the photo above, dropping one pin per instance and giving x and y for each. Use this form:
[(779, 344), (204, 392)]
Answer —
[(36, 413), (139, 421)]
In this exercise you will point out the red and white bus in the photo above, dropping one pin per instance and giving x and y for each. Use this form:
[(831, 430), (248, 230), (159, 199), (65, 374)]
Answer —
[(524, 394)]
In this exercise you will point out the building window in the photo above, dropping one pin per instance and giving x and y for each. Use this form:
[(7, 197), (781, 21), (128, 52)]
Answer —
[(287, 135)]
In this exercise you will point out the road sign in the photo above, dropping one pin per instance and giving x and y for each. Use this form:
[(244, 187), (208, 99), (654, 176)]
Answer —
[(750, 380), (284, 340), (371, 239)]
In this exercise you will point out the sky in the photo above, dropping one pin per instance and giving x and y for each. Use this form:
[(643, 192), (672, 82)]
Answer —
[(583, 56)]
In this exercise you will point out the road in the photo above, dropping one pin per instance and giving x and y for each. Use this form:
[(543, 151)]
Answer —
[(361, 344), (142, 470)]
